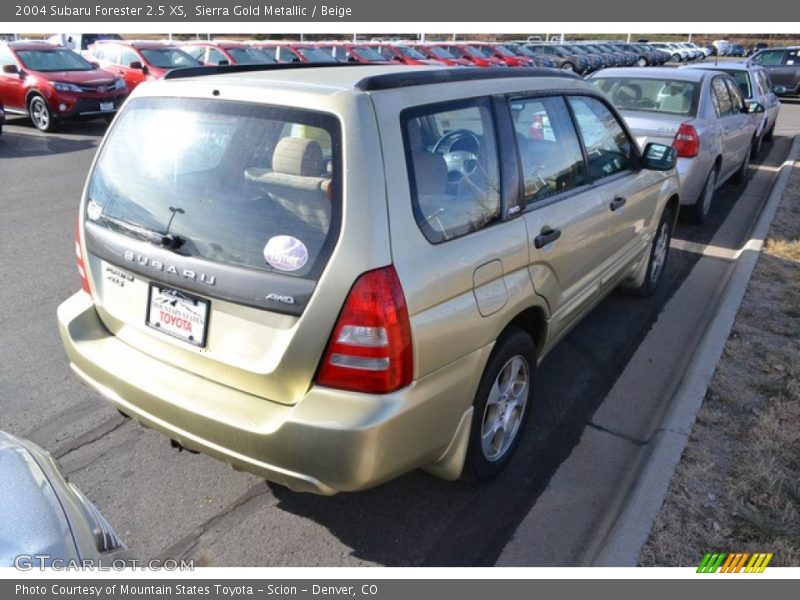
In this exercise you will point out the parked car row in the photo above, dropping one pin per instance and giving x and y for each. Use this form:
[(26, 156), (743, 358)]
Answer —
[(683, 51)]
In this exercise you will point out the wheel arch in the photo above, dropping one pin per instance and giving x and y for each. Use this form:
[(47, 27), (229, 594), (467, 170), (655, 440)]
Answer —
[(533, 321)]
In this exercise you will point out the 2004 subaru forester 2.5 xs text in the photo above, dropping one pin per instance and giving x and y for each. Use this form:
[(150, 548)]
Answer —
[(330, 276)]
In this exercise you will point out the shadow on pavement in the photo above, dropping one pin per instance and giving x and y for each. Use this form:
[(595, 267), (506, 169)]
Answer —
[(23, 140)]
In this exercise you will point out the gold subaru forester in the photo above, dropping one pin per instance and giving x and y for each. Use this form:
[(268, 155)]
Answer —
[(330, 276)]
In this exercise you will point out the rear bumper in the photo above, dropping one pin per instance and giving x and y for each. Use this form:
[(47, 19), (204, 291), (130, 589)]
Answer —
[(692, 173), (330, 441)]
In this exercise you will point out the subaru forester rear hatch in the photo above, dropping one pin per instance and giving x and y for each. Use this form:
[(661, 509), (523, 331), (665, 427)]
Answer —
[(207, 224)]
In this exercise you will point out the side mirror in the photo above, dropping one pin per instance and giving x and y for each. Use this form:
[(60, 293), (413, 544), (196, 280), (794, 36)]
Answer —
[(135, 64), (10, 69), (96, 65), (658, 157), (224, 62), (755, 107), (779, 89)]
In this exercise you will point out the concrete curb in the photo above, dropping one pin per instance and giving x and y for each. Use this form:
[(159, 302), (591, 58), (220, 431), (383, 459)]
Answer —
[(632, 526)]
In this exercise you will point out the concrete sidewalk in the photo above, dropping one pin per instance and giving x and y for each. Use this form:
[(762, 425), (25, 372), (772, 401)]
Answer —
[(600, 505)]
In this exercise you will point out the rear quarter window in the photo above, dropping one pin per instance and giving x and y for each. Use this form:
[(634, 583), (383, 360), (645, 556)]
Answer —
[(453, 168)]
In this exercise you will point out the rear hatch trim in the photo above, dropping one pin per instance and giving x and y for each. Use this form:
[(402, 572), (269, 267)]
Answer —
[(248, 287)]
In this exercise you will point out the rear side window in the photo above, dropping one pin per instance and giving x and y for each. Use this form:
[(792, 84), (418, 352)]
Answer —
[(127, 56), (737, 102), (722, 99), (608, 149), (453, 166), (241, 184), (549, 149)]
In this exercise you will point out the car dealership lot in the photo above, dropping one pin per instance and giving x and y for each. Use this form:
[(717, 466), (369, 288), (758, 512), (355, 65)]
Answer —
[(170, 504)]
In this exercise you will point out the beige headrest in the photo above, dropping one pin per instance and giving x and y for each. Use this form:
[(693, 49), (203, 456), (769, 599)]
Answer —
[(297, 156)]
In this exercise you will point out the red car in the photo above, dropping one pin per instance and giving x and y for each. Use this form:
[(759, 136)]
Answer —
[(295, 52), (136, 62), (50, 83), (355, 53), (403, 53), (502, 53), (442, 54), (221, 52), (471, 54)]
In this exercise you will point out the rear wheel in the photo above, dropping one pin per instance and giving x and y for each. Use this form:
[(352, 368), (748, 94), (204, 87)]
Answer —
[(657, 261), (501, 404), (642, 62), (40, 114), (568, 66), (676, 57), (698, 212)]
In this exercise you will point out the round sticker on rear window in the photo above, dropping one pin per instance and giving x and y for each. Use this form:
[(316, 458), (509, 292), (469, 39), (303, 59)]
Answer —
[(286, 253)]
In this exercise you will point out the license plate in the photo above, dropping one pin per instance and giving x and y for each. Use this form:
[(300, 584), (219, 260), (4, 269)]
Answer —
[(177, 314), (106, 106)]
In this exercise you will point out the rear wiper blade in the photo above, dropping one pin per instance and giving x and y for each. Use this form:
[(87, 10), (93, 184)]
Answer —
[(166, 240)]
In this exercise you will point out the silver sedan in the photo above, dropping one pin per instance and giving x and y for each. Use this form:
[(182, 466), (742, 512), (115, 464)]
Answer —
[(45, 520), (702, 114), (756, 86)]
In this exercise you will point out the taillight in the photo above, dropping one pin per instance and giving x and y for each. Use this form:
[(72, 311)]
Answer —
[(536, 130), (686, 142), (370, 348), (81, 262)]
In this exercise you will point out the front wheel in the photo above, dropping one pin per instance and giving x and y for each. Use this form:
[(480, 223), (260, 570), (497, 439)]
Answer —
[(768, 137), (40, 114), (568, 66), (741, 173), (501, 404), (642, 62)]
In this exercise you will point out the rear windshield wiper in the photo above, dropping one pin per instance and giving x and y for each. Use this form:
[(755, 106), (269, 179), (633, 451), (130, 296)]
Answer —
[(165, 240)]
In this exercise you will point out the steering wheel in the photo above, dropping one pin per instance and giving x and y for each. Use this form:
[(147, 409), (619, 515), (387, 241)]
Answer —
[(462, 162)]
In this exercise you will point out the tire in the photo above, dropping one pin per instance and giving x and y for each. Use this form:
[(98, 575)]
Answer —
[(676, 57), (657, 260), (641, 62), (755, 147), (741, 173), (502, 401), (770, 135), (40, 114), (698, 212), (568, 66)]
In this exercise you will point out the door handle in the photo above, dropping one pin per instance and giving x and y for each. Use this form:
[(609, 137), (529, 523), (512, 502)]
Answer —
[(617, 203), (545, 237)]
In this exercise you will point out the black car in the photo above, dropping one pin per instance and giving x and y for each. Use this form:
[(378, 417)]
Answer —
[(783, 66)]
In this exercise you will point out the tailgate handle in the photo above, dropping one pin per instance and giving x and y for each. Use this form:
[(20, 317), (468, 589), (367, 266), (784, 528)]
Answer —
[(617, 203), (546, 236)]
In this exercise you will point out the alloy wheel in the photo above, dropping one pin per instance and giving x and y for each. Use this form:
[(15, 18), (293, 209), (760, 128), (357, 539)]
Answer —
[(505, 408)]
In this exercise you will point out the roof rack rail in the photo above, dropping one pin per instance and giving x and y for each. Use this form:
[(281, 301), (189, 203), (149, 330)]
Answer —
[(410, 78), (182, 72)]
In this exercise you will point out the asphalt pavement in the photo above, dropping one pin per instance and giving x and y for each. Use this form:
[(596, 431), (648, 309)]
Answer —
[(172, 504)]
